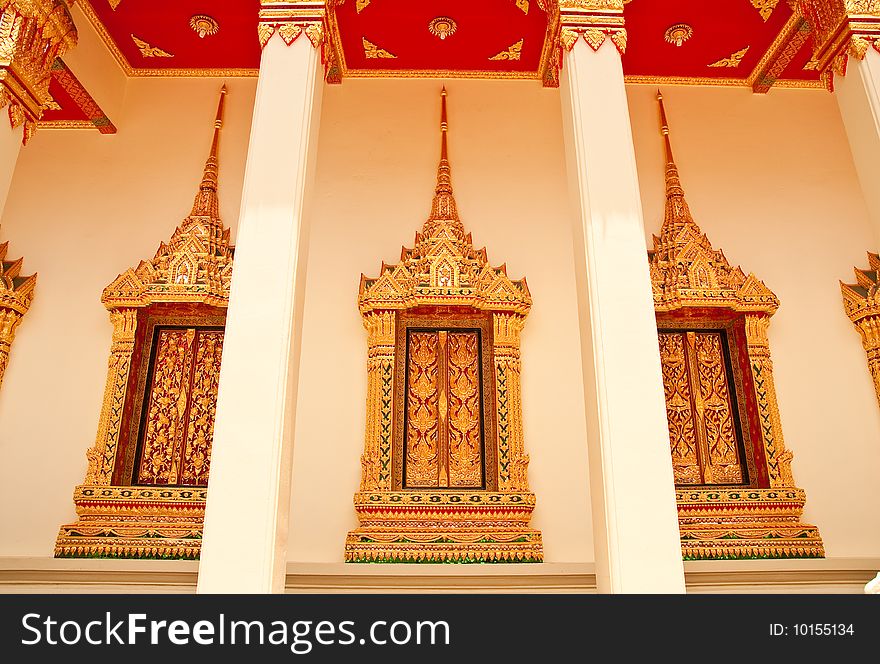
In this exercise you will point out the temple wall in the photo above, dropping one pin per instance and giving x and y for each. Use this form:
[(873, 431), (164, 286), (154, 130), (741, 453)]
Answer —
[(769, 178)]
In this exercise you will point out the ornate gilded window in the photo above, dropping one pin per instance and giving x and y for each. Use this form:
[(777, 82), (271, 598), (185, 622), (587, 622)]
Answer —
[(705, 434), (144, 490), (734, 487), (444, 466)]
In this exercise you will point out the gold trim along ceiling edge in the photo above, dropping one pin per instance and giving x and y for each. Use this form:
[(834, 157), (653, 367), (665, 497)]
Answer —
[(424, 73), (718, 82), (128, 70), (65, 124)]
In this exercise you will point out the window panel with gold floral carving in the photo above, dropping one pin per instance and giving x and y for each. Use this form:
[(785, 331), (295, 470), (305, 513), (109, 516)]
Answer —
[(177, 426), (704, 436), (443, 430)]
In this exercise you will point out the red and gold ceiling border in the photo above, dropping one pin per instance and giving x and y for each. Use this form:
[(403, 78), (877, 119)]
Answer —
[(128, 70), (337, 67), (789, 45), (85, 105)]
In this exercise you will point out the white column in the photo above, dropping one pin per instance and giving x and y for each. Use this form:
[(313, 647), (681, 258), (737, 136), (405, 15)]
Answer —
[(245, 536), (10, 146), (635, 520), (858, 96)]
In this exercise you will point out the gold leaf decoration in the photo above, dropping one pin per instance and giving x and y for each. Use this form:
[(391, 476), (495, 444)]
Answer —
[(360, 5), (765, 7), (512, 53), (148, 51), (733, 60), (523, 5), (373, 51)]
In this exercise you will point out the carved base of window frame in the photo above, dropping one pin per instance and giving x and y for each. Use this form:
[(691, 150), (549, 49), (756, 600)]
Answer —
[(444, 527), (738, 523), (134, 522)]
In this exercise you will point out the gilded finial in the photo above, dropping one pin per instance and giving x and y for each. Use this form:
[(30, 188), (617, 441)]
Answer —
[(673, 183), (444, 124), (205, 204), (443, 220)]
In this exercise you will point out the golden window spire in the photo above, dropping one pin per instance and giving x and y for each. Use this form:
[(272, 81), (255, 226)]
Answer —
[(677, 211), (443, 222), (206, 204)]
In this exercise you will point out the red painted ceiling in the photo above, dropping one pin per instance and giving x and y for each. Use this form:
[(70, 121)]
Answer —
[(720, 28), (165, 24), (485, 28)]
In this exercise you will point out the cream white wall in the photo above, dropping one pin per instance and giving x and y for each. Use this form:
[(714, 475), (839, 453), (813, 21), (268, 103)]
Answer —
[(82, 208), (770, 179), (377, 163)]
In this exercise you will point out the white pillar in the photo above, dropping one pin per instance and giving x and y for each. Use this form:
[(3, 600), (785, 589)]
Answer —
[(10, 146), (244, 549), (635, 520), (858, 97)]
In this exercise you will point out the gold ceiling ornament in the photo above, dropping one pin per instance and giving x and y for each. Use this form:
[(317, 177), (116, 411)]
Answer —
[(444, 469), (765, 7), (512, 53), (32, 34), (733, 61), (442, 27), (51, 105), (373, 51), (114, 4), (204, 25), (523, 5), (678, 34), (185, 283), (290, 19), (861, 301), (16, 294), (148, 51), (360, 5), (696, 289)]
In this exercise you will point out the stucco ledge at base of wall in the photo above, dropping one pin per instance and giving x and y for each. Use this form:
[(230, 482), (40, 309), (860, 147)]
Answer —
[(48, 575)]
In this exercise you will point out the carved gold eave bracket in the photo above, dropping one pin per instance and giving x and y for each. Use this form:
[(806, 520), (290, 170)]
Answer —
[(290, 19), (313, 18), (32, 34), (594, 21), (841, 29), (861, 301), (16, 294)]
